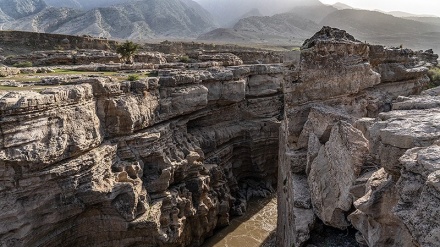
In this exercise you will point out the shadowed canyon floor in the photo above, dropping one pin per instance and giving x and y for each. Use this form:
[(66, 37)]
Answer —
[(254, 229)]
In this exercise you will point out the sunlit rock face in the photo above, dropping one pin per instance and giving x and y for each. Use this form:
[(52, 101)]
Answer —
[(333, 159), (158, 162), (401, 199), (166, 161)]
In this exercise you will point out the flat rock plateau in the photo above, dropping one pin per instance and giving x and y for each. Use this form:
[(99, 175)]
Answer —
[(346, 136)]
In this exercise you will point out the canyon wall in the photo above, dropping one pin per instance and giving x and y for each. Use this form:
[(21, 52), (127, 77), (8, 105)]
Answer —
[(165, 161), (158, 162), (340, 145)]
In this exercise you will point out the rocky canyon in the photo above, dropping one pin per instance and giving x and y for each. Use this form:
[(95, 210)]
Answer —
[(347, 136)]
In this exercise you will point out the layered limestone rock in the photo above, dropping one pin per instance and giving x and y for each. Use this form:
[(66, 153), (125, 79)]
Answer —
[(47, 41), (377, 224), (150, 57), (157, 162), (69, 57), (419, 191), (247, 54), (333, 172), (165, 161), (7, 71), (226, 59), (340, 80), (401, 200)]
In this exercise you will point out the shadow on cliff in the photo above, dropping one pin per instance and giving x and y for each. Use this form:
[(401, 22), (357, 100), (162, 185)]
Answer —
[(323, 235), (235, 233), (270, 241)]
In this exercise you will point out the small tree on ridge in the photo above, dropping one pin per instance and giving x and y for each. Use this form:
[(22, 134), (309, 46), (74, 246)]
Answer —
[(127, 50)]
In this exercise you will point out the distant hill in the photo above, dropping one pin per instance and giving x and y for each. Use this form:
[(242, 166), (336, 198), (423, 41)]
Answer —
[(47, 20), (284, 25), (281, 22), (250, 13), (281, 29), (225, 11), (64, 3), (300, 23), (292, 27), (405, 14), (386, 29), (229, 35), (130, 20), (15, 9), (315, 12), (364, 23), (429, 20), (84, 4), (340, 6)]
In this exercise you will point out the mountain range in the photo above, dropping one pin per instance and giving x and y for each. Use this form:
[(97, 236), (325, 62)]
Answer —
[(124, 19), (284, 22), (83, 4), (301, 22), (11, 10)]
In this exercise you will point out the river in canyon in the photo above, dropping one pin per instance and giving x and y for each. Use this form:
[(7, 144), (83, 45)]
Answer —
[(254, 229)]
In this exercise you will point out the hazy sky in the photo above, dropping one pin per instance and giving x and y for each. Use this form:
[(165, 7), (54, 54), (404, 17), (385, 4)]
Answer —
[(428, 7)]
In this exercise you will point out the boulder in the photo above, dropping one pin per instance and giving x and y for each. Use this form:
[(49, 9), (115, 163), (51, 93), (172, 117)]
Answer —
[(374, 216), (419, 194), (333, 172)]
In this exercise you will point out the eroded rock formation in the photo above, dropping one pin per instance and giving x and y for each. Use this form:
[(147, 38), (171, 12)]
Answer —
[(60, 57), (348, 162), (158, 162), (167, 160)]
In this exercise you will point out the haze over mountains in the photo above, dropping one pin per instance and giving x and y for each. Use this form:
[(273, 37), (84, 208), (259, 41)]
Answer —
[(286, 22), (301, 21), (225, 10)]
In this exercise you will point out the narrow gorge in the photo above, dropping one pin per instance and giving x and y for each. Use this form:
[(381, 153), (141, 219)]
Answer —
[(347, 137)]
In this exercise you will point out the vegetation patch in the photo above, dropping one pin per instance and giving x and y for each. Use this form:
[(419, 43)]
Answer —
[(66, 72), (434, 74), (133, 77), (185, 59), (23, 64), (127, 50)]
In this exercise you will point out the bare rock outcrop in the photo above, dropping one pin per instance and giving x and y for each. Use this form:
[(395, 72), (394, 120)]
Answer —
[(61, 57), (7, 71), (374, 217), (419, 194), (348, 160), (162, 161), (333, 172), (402, 204), (165, 161), (150, 57)]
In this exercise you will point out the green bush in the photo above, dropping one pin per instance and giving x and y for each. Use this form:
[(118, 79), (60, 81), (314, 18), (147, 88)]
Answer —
[(185, 59), (133, 77), (434, 74), (23, 64)]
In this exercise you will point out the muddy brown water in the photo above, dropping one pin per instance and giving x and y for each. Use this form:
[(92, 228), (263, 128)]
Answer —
[(254, 229)]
